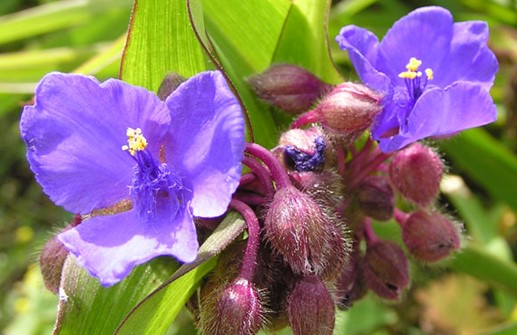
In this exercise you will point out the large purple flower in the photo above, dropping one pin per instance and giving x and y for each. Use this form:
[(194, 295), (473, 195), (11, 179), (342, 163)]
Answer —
[(435, 74), (137, 168)]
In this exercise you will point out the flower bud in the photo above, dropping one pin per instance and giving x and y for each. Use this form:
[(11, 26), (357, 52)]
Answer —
[(299, 230), (169, 84), (349, 109), (311, 308), (302, 149), (52, 259), (288, 87), (386, 269), (236, 310), (376, 198), (416, 172), (351, 285), (430, 236)]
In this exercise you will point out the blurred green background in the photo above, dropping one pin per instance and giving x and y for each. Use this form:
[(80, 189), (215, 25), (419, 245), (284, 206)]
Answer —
[(474, 293)]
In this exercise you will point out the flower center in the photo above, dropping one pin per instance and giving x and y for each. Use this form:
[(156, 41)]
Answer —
[(415, 82), (155, 190)]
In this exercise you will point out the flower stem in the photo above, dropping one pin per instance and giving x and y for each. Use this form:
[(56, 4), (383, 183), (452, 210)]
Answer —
[(305, 119), (278, 173), (369, 233), (250, 256), (261, 173), (400, 216)]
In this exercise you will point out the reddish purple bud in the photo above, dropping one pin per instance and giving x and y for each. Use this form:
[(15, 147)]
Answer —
[(386, 269), (236, 310), (416, 172), (300, 230), (376, 198), (288, 87), (349, 109), (430, 236), (52, 259), (351, 285), (311, 308)]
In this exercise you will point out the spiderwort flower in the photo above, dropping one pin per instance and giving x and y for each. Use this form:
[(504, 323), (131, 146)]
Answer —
[(435, 75), (137, 168)]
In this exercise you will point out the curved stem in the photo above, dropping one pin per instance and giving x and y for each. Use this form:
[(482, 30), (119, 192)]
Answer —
[(249, 261), (261, 173), (278, 173), (369, 233), (305, 119), (400, 216)]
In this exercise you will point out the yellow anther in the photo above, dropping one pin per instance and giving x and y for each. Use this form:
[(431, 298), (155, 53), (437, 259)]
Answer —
[(413, 64), (408, 75), (135, 141), (429, 73)]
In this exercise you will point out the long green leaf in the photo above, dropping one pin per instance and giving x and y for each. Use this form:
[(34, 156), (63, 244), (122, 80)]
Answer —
[(304, 40), (85, 307), (160, 40), (155, 314), (486, 161)]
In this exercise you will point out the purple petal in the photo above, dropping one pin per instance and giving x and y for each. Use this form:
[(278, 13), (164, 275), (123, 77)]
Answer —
[(74, 134), (362, 48), (110, 246), (438, 112), (206, 140), (470, 59), (425, 34)]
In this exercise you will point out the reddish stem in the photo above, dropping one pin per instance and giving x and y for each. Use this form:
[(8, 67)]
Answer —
[(305, 119), (400, 216), (369, 233), (250, 256), (278, 173), (261, 173)]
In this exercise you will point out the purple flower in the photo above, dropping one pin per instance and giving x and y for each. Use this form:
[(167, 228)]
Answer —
[(435, 74), (137, 168)]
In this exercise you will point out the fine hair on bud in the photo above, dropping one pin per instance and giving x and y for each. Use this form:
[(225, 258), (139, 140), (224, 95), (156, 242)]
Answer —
[(288, 87), (311, 308), (349, 109), (416, 172), (300, 230), (386, 269), (430, 236), (235, 310), (376, 198)]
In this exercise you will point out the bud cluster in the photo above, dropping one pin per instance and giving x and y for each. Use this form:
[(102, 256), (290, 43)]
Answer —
[(309, 205)]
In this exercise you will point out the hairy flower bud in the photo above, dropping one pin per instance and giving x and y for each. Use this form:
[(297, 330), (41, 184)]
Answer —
[(416, 172), (351, 285), (288, 87), (349, 109), (311, 307), (236, 310), (376, 198), (386, 269), (52, 259), (430, 236), (302, 149), (300, 231)]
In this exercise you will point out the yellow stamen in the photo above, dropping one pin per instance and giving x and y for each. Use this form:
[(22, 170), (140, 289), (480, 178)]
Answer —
[(135, 141), (429, 73), (413, 64), (408, 75)]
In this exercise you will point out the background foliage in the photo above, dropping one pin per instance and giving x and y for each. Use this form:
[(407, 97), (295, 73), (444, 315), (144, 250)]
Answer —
[(474, 293)]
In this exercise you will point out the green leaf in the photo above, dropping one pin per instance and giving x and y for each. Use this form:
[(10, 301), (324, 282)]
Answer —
[(486, 161), (486, 267), (160, 41), (304, 40), (156, 313), (245, 48), (85, 307)]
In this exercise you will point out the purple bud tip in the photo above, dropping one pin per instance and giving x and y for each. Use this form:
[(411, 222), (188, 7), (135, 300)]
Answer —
[(288, 87), (416, 172), (349, 109), (376, 198), (238, 310), (430, 236), (311, 308), (386, 269)]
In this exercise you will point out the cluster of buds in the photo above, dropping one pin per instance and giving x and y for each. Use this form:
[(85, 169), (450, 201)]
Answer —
[(310, 204)]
